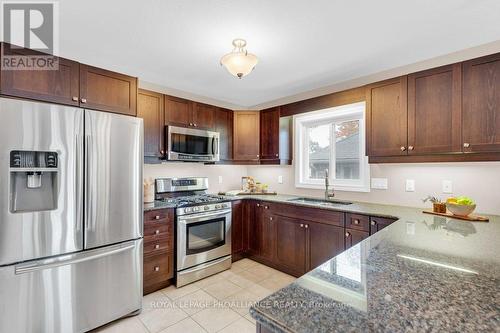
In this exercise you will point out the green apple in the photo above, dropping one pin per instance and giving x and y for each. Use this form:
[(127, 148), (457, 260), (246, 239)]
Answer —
[(465, 201)]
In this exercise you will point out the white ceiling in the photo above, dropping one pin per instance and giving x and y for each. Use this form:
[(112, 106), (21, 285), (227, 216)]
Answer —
[(301, 45)]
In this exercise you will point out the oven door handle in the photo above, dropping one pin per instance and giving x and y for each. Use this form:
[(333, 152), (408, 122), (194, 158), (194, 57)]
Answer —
[(187, 219)]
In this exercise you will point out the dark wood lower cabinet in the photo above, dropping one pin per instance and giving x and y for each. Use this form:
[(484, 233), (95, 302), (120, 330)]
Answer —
[(239, 242), (353, 237), (291, 244), (158, 269), (379, 223), (262, 329), (326, 241)]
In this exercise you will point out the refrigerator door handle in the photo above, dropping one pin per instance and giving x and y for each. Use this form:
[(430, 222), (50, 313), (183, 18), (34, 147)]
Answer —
[(64, 261), (88, 196), (79, 181)]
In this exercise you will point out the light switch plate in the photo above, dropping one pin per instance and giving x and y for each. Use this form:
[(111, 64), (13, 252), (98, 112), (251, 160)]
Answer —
[(220, 179), (447, 186), (380, 183), (410, 185), (280, 179)]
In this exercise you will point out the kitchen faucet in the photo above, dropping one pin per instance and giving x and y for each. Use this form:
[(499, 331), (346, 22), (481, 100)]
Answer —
[(328, 195)]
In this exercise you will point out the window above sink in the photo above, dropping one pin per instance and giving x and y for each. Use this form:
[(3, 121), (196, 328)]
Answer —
[(332, 139)]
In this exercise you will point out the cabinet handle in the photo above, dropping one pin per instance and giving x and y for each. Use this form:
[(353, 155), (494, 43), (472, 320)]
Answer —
[(271, 218), (258, 155), (157, 246), (356, 221), (157, 232), (190, 124), (347, 234), (157, 217), (195, 125), (157, 268), (301, 225), (410, 147), (373, 223), (162, 152), (75, 99), (266, 207), (258, 205), (466, 145), (83, 100), (277, 155), (403, 148), (306, 226)]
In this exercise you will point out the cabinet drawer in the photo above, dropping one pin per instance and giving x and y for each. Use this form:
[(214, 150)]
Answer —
[(158, 214), (159, 245), (153, 231), (356, 221), (379, 223), (158, 268), (306, 213)]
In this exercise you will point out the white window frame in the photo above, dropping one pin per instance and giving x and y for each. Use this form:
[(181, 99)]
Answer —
[(302, 122)]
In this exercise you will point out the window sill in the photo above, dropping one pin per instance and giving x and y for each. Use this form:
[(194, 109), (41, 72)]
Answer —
[(342, 188)]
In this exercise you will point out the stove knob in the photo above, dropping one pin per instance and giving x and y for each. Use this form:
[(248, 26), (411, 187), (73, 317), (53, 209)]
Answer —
[(195, 209), (217, 206), (206, 208), (188, 210)]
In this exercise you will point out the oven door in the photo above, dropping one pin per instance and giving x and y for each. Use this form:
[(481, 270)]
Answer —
[(189, 144), (203, 237)]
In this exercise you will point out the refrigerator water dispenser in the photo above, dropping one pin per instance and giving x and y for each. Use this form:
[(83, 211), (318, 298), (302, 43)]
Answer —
[(33, 181)]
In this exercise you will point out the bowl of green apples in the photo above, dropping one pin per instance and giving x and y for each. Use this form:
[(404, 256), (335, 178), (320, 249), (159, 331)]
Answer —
[(461, 206)]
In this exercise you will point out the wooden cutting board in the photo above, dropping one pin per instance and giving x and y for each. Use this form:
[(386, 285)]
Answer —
[(472, 218)]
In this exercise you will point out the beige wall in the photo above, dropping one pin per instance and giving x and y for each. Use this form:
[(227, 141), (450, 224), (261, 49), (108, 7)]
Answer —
[(231, 174), (480, 181)]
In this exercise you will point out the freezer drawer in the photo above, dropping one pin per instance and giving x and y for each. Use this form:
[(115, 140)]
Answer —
[(113, 185), (72, 293)]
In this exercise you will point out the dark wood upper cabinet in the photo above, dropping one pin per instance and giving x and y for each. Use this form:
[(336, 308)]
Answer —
[(150, 109), (435, 111), (481, 104), (326, 241), (291, 244), (269, 134), (104, 90), (246, 131), (224, 125), (387, 117), (275, 137), (203, 115), (57, 86), (177, 111)]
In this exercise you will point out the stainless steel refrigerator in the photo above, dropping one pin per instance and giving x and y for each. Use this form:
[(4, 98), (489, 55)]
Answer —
[(70, 217)]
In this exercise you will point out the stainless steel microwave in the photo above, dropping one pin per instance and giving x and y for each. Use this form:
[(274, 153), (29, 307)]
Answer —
[(191, 145)]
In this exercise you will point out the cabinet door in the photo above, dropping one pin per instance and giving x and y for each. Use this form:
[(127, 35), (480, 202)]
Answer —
[(326, 241), (254, 217), (177, 111), (267, 236), (246, 136), (269, 134), (387, 117), (224, 125), (435, 111), (57, 86), (203, 116), (291, 244), (150, 109), (104, 90), (481, 104), (353, 237), (379, 223), (237, 227)]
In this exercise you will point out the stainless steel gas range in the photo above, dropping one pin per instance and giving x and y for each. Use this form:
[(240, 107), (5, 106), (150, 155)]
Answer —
[(203, 227)]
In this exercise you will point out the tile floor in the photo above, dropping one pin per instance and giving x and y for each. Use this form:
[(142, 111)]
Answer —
[(218, 303)]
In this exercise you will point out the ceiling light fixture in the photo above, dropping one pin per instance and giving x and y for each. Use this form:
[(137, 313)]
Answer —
[(239, 62)]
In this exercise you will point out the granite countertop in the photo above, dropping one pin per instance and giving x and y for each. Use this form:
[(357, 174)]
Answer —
[(158, 204), (422, 273)]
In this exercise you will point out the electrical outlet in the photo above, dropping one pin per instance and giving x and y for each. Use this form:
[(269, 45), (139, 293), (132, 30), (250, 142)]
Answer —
[(410, 185), (447, 186), (220, 179), (280, 179), (379, 183)]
